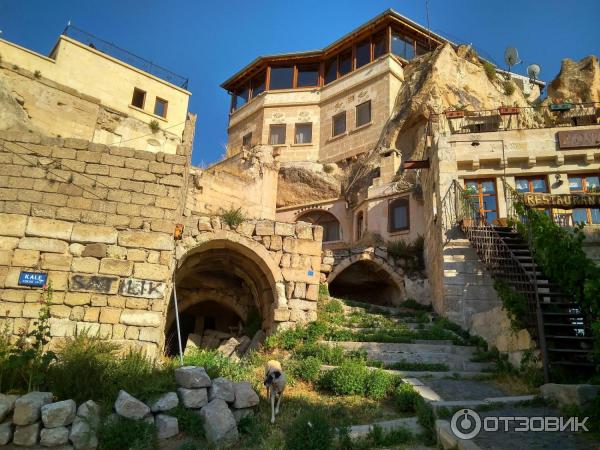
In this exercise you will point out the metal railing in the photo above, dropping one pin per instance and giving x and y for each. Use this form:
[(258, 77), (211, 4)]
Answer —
[(515, 118), (123, 55), (500, 260)]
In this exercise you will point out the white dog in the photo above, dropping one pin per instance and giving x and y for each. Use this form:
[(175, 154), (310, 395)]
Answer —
[(275, 384)]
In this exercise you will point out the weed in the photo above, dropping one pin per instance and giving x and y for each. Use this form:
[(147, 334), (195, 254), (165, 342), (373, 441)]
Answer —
[(411, 303), (380, 438), (311, 430), (154, 126), (406, 397), (328, 168), (333, 306), (490, 70), (378, 384), (37, 74), (349, 378), (323, 290), (126, 434), (233, 217), (419, 366), (218, 365), (306, 369), (509, 87), (189, 422), (426, 418)]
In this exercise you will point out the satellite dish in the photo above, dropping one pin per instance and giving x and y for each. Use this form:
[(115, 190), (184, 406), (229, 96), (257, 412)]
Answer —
[(511, 57), (533, 70)]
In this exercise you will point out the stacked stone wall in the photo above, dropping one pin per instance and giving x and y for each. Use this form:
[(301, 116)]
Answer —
[(99, 221)]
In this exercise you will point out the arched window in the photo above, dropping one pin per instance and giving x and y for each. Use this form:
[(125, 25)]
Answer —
[(331, 226), (359, 225), (398, 215)]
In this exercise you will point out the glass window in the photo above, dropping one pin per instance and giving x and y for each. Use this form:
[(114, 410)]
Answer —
[(277, 135), (281, 78), (363, 53), (531, 184), (160, 107), (592, 183), (482, 194), (331, 226), (139, 98), (247, 140), (345, 63), (258, 85), (398, 215), (338, 124), (363, 113), (585, 183), (575, 183), (402, 46), (308, 75), (522, 185), (303, 133), (241, 98), (379, 45), (330, 70)]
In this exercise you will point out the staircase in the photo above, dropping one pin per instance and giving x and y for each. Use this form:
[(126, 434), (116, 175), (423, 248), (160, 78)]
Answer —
[(565, 327)]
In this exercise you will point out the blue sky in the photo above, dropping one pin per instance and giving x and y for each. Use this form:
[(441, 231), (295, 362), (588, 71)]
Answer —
[(208, 41)]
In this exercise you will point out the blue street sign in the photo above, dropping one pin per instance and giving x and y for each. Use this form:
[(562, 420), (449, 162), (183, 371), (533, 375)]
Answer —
[(34, 279)]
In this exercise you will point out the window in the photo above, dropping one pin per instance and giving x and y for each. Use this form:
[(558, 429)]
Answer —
[(585, 183), (363, 53), (240, 98), (338, 125), (403, 46), (247, 140), (483, 197), (359, 225), (398, 215), (331, 226), (531, 184), (308, 75), (303, 133), (160, 107), (139, 98), (277, 135), (258, 85), (345, 63), (363, 113), (379, 45), (331, 70), (281, 78)]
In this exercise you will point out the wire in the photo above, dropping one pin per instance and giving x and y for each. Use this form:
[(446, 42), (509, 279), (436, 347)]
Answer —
[(150, 134)]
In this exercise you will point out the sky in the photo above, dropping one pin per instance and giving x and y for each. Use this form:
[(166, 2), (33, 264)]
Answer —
[(208, 41)]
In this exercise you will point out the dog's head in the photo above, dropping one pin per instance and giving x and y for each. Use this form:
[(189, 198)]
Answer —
[(271, 377)]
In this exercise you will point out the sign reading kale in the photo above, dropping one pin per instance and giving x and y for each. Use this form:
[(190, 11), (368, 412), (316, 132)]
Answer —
[(33, 279)]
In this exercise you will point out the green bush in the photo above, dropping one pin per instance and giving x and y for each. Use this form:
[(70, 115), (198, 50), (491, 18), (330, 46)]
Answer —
[(333, 306), (406, 397), (326, 354), (189, 421), (378, 384), (292, 338), (380, 438), (125, 434), (349, 378), (154, 126), (310, 431), (509, 87), (307, 369), (218, 365), (426, 418), (323, 290), (513, 302), (490, 70), (419, 366), (233, 217)]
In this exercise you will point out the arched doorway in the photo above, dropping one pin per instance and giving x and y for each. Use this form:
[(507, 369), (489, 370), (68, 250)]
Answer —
[(368, 281), (331, 226), (224, 288)]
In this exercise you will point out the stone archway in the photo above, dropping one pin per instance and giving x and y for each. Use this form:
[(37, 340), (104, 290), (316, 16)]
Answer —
[(226, 283), (368, 278)]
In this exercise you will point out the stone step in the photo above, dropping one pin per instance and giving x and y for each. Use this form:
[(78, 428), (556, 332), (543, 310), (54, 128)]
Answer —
[(409, 423), (508, 400), (444, 347)]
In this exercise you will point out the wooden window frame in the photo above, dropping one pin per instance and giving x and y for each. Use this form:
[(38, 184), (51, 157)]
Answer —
[(296, 129), (480, 195), (143, 99), (297, 71), (394, 203), (530, 179), (271, 126), (356, 124), (584, 189), (333, 124), (369, 42), (166, 108)]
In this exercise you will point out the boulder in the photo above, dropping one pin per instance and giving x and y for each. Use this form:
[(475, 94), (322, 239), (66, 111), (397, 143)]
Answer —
[(193, 398), (229, 346), (194, 342), (166, 426), (27, 435), (6, 432), (257, 340), (243, 346), (240, 414), (82, 436), (192, 377), (58, 414), (130, 407), (7, 404), (51, 437), (165, 402), (221, 388), (90, 411), (245, 396), (570, 394), (28, 407), (219, 424)]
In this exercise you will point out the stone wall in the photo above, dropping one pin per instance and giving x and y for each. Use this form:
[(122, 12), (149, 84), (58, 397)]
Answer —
[(100, 221)]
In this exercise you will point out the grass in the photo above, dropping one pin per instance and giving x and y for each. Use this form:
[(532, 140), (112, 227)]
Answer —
[(233, 217), (490, 70), (418, 366)]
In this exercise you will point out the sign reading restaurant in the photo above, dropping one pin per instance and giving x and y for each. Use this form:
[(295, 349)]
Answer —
[(563, 201)]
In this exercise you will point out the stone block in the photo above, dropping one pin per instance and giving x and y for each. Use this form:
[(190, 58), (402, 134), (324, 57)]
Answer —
[(155, 272), (302, 246), (53, 437), (130, 407), (308, 276), (40, 227), (228, 347), (8, 243), (60, 311), (28, 407), (85, 233), (264, 228), (166, 426), (312, 292), (192, 377), (111, 315), (101, 284), (245, 396), (139, 318), (570, 394), (13, 224), (219, 423), (300, 290), (27, 435), (143, 239), (193, 398), (281, 315), (116, 267), (172, 180), (53, 261), (43, 245), (82, 434), (165, 402), (85, 265), (284, 229), (62, 328), (6, 432), (59, 414), (221, 388), (7, 404), (77, 298), (96, 250), (304, 230), (149, 334)]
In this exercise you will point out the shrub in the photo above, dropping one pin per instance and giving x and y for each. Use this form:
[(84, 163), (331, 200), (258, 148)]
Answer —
[(349, 378), (406, 397), (218, 365), (323, 290), (490, 70), (310, 431), (233, 217), (189, 421), (426, 418), (333, 306), (37, 74), (378, 384), (380, 438), (509, 87), (326, 354), (328, 168), (125, 434), (411, 303), (419, 366), (513, 302), (154, 126), (306, 369), (292, 338)]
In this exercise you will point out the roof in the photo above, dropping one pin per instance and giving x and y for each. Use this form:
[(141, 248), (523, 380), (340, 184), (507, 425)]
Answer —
[(388, 14)]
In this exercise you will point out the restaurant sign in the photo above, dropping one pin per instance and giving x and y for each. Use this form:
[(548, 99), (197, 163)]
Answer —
[(563, 201), (578, 139)]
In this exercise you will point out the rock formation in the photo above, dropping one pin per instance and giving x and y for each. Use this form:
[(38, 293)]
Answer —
[(577, 82)]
